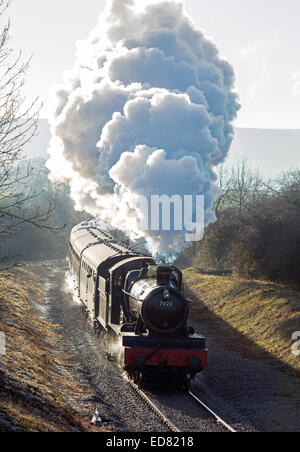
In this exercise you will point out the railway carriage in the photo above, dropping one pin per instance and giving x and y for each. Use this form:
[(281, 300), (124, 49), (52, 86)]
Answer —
[(128, 295)]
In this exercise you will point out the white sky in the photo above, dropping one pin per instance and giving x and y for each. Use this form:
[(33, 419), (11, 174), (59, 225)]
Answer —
[(261, 38)]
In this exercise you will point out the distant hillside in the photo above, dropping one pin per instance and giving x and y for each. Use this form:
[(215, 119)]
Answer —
[(271, 151)]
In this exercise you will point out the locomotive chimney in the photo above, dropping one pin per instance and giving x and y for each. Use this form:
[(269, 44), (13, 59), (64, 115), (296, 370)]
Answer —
[(163, 275)]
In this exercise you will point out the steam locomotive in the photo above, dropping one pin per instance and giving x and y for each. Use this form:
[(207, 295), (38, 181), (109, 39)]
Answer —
[(128, 295)]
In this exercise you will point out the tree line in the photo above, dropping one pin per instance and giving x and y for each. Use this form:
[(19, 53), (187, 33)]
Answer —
[(257, 232), (48, 240), (35, 217)]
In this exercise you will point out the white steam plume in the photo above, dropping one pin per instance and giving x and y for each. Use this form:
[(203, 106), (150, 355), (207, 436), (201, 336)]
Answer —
[(147, 109)]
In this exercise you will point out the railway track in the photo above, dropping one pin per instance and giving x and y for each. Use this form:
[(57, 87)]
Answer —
[(167, 422), (216, 417)]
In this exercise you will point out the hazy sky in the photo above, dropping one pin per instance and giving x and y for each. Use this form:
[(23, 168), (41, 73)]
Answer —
[(261, 39)]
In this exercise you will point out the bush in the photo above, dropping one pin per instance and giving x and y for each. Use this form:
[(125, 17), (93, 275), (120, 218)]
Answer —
[(257, 232)]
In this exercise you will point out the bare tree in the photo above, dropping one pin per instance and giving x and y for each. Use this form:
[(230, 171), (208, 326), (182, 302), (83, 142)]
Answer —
[(18, 125), (257, 232)]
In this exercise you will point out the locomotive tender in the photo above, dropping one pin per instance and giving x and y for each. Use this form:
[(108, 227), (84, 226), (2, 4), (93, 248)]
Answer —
[(127, 294)]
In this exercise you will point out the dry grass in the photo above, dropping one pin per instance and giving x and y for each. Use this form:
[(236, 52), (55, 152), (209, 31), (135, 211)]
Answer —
[(257, 318), (38, 389)]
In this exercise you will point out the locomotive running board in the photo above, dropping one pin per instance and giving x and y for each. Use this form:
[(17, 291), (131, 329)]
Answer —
[(99, 320), (115, 328)]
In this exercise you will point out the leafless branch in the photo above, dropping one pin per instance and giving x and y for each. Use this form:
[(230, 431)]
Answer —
[(18, 125)]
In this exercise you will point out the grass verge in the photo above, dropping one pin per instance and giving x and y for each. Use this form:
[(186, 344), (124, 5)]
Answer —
[(38, 390), (253, 317)]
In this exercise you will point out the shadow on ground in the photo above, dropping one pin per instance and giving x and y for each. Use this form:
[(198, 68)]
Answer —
[(249, 383)]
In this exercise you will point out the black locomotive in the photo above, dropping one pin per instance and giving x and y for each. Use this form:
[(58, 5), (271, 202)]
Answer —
[(128, 294)]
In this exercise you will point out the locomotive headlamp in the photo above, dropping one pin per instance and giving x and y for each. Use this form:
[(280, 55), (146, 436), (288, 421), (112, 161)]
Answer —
[(166, 295)]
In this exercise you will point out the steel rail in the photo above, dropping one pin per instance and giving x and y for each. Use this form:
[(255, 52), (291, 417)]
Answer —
[(169, 424), (154, 408), (217, 418)]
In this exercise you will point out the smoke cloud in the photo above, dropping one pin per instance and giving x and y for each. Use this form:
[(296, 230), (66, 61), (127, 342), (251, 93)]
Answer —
[(147, 110)]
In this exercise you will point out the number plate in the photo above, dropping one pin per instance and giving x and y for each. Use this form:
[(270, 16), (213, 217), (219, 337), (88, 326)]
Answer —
[(166, 304)]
